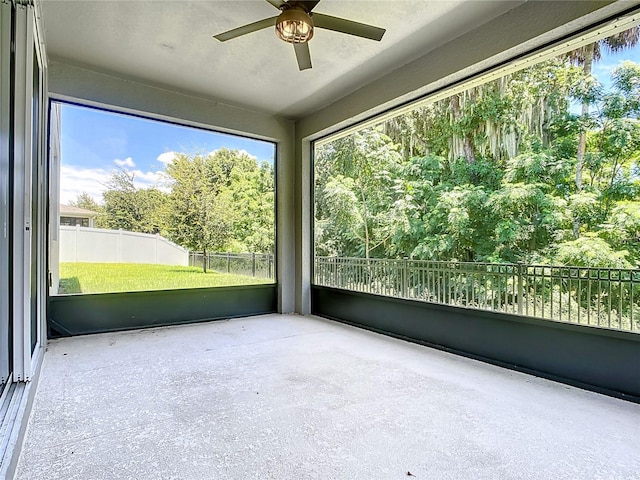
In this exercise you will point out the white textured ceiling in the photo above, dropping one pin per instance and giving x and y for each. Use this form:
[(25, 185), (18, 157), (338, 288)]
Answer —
[(170, 44)]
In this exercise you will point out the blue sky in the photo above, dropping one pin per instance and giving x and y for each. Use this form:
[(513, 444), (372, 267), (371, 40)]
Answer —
[(602, 69), (95, 142)]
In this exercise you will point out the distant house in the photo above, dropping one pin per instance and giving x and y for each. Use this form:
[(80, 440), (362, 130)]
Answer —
[(77, 216)]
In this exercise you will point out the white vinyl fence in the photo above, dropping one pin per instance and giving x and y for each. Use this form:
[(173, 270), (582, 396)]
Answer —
[(97, 245)]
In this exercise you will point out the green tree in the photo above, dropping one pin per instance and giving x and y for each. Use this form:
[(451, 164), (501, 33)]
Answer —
[(362, 201), (612, 153), (490, 173), (252, 192), (129, 208), (529, 220), (86, 201), (200, 215), (491, 121), (590, 251), (585, 56), (454, 229), (622, 229), (221, 201)]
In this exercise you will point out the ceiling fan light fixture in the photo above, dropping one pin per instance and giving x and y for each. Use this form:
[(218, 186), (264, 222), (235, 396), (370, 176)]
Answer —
[(294, 25)]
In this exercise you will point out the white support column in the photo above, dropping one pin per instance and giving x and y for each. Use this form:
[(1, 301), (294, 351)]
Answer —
[(285, 224), (304, 215), (22, 221)]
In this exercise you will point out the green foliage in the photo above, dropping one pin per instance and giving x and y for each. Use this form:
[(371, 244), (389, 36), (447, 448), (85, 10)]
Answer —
[(584, 207), (625, 79), (528, 220), (200, 214), (361, 204), (129, 208), (502, 172), (540, 167), (588, 251), (622, 229), (219, 201), (453, 230), (252, 194), (483, 171), (86, 201)]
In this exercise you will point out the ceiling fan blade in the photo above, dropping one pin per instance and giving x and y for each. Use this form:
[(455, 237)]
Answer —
[(249, 28), (302, 55), (347, 26), (277, 3)]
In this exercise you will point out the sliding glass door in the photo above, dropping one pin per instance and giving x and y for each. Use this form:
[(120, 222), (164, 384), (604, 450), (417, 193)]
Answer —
[(5, 227), (22, 193)]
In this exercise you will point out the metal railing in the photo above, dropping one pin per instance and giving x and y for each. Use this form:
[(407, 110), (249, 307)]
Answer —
[(602, 297), (259, 265)]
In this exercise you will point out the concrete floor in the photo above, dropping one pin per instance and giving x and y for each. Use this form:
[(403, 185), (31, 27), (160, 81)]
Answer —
[(289, 397)]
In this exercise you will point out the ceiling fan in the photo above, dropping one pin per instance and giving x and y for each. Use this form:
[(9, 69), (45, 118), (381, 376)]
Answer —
[(295, 25)]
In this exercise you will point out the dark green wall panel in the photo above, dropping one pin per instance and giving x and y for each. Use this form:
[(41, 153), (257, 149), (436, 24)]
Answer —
[(81, 314), (597, 359)]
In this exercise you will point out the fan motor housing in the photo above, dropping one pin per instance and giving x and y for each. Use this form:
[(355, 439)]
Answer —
[(294, 25)]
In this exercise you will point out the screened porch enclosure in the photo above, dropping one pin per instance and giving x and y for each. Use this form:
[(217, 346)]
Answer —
[(360, 347)]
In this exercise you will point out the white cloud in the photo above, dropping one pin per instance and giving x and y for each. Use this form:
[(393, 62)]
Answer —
[(166, 157), (75, 180), (156, 179), (127, 162), (147, 177), (248, 154), (241, 152)]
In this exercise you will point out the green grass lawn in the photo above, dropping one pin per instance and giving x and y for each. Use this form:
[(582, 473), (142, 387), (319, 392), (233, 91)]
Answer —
[(131, 277)]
